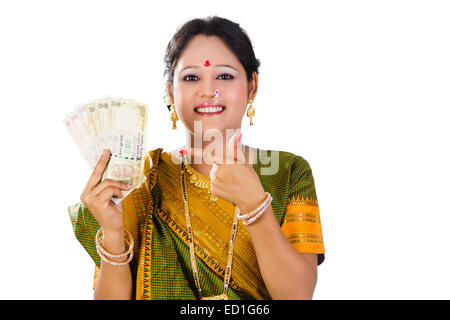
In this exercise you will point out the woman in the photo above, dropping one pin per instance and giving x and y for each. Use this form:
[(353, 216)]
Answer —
[(189, 222)]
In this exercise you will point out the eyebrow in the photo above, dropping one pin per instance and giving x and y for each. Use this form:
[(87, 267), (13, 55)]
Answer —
[(197, 67)]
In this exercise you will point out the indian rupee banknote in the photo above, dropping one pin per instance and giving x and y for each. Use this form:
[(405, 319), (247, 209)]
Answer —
[(119, 125)]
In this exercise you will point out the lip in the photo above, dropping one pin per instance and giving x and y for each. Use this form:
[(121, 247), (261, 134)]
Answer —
[(209, 104)]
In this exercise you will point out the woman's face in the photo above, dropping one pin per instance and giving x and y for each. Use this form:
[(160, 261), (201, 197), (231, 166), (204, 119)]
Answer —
[(206, 64)]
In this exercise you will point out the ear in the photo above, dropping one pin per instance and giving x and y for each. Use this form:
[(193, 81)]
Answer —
[(253, 86), (170, 91)]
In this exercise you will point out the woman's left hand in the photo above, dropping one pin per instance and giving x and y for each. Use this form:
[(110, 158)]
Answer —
[(235, 180)]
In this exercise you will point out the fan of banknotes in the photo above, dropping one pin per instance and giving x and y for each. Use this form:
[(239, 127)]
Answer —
[(119, 125)]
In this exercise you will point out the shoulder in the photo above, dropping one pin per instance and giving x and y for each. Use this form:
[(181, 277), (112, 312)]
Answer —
[(151, 157), (299, 166), (284, 162), (287, 169), (150, 163), (153, 153), (158, 153), (301, 179)]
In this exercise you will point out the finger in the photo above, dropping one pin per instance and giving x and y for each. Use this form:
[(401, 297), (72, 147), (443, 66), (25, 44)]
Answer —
[(212, 173), (235, 148), (98, 170), (108, 182), (108, 193)]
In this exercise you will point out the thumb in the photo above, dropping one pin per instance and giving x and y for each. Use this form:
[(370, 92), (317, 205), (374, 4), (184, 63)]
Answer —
[(236, 148)]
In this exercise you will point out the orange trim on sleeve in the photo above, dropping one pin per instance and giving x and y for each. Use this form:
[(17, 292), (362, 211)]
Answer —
[(302, 227)]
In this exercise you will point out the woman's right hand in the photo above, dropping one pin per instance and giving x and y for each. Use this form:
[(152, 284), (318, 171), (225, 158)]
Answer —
[(97, 195)]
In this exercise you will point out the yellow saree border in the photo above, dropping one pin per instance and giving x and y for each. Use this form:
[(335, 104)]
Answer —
[(135, 209), (143, 279)]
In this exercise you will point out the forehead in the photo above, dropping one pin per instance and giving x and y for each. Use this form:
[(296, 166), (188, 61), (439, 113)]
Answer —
[(202, 48)]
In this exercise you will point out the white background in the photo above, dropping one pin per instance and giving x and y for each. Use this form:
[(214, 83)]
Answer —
[(360, 89)]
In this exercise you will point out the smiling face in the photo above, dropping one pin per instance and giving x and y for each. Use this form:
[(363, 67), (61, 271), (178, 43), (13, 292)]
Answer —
[(205, 65)]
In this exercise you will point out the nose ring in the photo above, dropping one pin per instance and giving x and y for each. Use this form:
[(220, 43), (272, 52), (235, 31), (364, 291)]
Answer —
[(216, 93)]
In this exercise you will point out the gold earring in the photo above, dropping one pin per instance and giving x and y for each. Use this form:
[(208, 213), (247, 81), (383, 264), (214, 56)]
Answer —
[(173, 116), (251, 112)]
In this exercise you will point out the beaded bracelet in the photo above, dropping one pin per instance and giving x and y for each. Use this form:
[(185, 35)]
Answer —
[(99, 243), (267, 200), (116, 264), (104, 254), (251, 220)]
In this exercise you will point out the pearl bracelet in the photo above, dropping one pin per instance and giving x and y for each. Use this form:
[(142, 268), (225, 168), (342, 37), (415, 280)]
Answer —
[(116, 264), (267, 199), (255, 214), (251, 220), (104, 254)]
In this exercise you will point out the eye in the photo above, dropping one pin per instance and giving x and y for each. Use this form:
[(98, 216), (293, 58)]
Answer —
[(192, 77), (188, 76), (227, 75)]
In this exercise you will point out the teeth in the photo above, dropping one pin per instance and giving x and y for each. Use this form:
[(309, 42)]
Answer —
[(209, 109)]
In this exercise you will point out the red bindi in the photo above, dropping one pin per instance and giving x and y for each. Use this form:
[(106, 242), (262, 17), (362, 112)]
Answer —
[(207, 64)]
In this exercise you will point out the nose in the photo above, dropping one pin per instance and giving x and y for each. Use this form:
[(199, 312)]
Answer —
[(207, 90)]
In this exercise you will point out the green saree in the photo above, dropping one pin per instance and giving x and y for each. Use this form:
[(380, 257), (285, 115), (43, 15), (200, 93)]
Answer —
[(154, 215)]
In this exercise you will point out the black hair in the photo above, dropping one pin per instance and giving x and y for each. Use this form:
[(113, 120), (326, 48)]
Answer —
[(234, 37)]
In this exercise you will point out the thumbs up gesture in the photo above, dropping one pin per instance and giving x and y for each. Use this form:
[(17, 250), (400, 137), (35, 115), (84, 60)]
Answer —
[(233, 177)]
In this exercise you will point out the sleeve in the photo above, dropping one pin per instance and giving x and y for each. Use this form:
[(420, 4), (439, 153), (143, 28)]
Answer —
[(135, 212), (301, 223), (85, 227)]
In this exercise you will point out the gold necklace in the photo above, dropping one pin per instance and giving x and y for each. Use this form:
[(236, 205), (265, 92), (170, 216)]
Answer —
[(200, 181), (226, 280)]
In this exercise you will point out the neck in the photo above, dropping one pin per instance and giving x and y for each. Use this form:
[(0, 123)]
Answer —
[(197, 148)]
